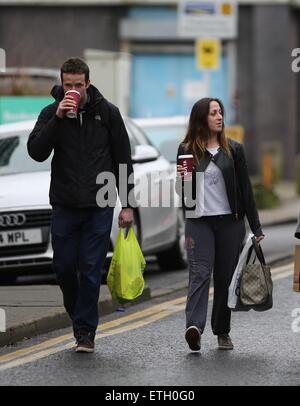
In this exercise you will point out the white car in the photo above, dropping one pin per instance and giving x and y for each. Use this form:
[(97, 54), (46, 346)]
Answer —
[(165, 133), (25, 212)]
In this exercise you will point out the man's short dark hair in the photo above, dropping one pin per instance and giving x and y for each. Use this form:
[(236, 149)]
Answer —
[(75, 65)]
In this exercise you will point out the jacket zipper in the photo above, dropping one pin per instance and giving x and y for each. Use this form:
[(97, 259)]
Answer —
[(80, 118)]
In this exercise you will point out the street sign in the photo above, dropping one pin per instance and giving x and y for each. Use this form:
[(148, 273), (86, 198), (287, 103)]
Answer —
[(207, 19), (208, 53)]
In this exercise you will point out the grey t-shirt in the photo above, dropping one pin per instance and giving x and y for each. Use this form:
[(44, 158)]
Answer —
[(215, 195)]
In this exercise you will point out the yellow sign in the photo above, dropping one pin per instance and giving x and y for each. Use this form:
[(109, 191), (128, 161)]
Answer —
[(208, 53), (235, 132), (226, 9)]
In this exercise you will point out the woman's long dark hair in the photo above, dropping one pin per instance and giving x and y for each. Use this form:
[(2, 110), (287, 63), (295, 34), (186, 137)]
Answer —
[(198, 132)]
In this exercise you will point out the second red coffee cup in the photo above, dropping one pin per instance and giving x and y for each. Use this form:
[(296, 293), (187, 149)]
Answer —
[(187, 161), (72, 113)]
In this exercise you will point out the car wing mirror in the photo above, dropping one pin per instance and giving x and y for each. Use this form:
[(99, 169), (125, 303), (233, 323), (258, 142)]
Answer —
[(144, 153)]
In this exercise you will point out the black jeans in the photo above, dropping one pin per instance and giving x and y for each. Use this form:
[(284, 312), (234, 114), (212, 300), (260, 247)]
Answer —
[(213, 243), (80, 241)]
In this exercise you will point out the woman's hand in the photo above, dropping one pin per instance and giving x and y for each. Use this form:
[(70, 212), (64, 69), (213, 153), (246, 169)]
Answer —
[(259, 238), (180, 171)]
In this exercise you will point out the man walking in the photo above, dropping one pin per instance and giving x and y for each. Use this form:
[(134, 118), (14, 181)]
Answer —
[(85, 146)]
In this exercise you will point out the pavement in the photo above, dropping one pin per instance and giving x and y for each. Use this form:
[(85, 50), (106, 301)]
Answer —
[(33, 310)]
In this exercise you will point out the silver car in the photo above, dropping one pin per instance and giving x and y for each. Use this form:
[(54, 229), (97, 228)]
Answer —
[(165, 133), (25, 213)]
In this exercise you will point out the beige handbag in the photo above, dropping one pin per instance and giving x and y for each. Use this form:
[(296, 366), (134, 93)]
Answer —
[(256, 282)]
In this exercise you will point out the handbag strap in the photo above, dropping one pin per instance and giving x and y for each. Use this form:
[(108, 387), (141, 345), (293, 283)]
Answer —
[(258, 251), (250, 251)]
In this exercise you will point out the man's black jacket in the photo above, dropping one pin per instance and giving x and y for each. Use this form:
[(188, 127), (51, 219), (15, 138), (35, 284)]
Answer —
[(83, 148), (237, 183)]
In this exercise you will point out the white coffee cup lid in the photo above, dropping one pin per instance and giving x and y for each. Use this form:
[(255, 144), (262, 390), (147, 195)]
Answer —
[(185, 156), (72, 91)]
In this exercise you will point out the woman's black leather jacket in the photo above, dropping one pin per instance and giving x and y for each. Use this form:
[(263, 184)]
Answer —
[(237, 183)]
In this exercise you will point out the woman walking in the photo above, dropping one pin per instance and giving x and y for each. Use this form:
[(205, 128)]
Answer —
[(216, 200)]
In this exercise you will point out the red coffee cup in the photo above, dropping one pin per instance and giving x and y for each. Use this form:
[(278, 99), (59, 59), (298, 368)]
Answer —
[(72, 113), (187, 161)]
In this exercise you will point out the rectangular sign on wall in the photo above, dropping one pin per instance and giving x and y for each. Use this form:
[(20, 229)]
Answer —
[(208, 19), (21, 108), (208, 53)]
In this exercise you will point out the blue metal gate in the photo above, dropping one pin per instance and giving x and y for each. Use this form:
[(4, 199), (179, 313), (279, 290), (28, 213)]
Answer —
[(169, 84)]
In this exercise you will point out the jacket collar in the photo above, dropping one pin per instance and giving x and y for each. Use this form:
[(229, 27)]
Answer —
[(221, 159)]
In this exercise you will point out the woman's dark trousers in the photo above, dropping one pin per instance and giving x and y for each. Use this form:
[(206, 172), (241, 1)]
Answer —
[(213, 243)]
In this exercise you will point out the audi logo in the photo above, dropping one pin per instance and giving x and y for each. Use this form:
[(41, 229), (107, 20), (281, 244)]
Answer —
[(12, 220)]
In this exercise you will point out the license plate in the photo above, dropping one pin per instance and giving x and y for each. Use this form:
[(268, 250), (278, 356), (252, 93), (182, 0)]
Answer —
[(20, 237)]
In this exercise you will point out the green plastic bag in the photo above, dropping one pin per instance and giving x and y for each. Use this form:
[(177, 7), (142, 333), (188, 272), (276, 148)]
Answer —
[(125, 276)]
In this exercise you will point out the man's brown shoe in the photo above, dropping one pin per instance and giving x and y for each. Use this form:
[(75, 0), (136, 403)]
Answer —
[(85, 346), (225, 342), (193, 338)]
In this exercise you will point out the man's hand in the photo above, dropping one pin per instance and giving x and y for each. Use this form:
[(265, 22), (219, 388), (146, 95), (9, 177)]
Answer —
[(126, 218), (66, 104)]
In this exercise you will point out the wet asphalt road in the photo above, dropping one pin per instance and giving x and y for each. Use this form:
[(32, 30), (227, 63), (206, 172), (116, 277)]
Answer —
[(149, 348), (152, 351)]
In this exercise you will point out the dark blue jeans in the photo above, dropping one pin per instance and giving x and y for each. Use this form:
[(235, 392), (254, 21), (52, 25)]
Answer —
[(80, 241)]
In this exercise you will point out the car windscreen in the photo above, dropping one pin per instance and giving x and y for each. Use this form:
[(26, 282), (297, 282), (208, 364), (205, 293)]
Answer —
[(166, 139), (14, 157)]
